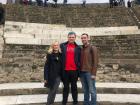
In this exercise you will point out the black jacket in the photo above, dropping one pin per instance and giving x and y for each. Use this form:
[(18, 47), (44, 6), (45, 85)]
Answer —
[(2, 15), (77, 55), (52, 68)]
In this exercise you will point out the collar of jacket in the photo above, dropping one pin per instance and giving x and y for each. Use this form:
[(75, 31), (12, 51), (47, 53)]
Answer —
[(65, 43), (86, 46)]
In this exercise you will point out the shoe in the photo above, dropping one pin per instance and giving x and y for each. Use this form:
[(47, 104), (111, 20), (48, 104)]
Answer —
[(75, 103), (63, 104)]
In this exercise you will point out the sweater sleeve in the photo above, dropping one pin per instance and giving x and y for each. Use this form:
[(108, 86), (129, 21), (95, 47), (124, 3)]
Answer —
[(79, 58), (46, 68), (95, 60)]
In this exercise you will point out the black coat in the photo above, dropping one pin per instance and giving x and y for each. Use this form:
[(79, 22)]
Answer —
[(52, 68), (2, 15)]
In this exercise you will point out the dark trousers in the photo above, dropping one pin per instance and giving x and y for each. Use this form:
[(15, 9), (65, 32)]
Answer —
[(52, 91), (70, 78)]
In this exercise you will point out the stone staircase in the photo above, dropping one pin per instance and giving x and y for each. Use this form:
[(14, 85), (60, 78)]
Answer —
[(36, 94), (136, 14), (71, 16), (45, 34)]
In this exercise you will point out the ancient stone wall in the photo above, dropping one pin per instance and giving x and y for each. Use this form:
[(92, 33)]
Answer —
[(24, 44), (119, 57), (22, 63), (119, 60), (22, 58)]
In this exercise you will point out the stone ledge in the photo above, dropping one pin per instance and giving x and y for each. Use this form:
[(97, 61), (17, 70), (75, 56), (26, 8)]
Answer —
[(40, 85), (34, 41), (52, 29), (117, 99), (100, 90), (120, 61)]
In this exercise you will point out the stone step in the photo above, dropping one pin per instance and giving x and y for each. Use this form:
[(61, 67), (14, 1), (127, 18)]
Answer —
[(38, 88), (35, 41), (102, 99)]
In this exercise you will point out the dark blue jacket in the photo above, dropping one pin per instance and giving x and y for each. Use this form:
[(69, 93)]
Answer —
[(77, 55)]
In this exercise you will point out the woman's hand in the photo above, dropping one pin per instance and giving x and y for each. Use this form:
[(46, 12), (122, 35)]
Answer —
[(45, 81)]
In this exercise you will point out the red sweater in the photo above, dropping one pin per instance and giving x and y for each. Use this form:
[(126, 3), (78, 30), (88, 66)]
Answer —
[(70, 63)]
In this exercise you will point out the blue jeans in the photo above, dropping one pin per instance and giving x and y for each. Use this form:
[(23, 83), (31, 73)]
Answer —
[(89, 88)]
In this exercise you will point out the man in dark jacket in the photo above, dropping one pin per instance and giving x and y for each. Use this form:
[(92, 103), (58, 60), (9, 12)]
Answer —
[(45, 3), (129, 4), (39, 2), (2, 15), (65, 2), (55, 5), (111, 3), (71, 65)]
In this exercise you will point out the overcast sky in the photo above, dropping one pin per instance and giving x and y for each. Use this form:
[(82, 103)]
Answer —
[(72, 1)]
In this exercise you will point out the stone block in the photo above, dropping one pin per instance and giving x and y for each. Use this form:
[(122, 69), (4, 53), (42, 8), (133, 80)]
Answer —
[(115, 66), (13, 27), (18, 35), (28, 41)]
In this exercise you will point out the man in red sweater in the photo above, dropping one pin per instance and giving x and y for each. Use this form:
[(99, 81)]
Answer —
[(71, 65)]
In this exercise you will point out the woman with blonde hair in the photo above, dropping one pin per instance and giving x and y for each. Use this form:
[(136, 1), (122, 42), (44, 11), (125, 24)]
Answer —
[(53, 71)]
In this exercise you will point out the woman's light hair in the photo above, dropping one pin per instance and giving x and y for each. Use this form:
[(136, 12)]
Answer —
[(51, 47)]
